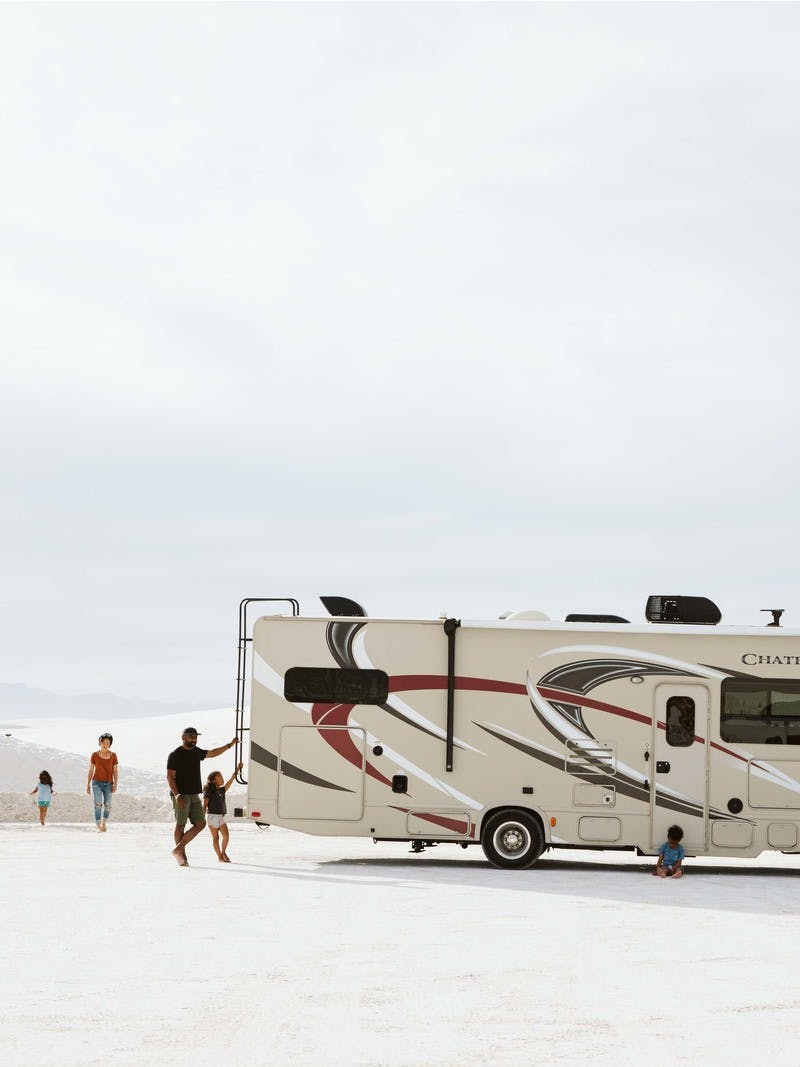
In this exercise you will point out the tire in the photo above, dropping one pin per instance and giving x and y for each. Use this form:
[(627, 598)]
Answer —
[(512, 839)]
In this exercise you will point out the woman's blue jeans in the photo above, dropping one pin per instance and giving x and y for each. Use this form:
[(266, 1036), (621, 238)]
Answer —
[(102, 800)]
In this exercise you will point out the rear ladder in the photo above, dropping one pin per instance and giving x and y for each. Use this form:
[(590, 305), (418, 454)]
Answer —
[(241, 669)]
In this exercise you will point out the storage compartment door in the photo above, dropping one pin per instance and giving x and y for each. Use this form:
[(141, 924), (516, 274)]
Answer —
[(321, 773)]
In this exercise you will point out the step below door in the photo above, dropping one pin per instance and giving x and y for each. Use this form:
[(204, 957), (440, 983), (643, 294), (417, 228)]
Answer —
[(321, 773)]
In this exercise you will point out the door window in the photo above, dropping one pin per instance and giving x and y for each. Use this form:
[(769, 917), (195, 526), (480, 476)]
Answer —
[(680, 722)]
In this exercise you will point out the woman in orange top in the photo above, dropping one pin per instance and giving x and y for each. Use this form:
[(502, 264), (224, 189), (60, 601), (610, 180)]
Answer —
[(102, 780)]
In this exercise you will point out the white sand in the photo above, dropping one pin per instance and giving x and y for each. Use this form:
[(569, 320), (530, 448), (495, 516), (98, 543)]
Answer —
[(328, 951), (317, 950)]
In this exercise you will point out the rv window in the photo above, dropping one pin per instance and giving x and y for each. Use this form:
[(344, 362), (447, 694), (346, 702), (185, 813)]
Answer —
[(330, 685), (760, 712), (680, 722)]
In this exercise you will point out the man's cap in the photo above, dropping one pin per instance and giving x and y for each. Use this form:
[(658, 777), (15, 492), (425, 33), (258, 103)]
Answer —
[(191, 730)]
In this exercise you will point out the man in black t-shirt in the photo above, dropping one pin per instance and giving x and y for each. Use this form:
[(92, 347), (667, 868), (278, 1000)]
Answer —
[(185, 786)]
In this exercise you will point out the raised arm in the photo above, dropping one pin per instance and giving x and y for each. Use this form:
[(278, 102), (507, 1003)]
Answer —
[(212, 752), (230, 781)]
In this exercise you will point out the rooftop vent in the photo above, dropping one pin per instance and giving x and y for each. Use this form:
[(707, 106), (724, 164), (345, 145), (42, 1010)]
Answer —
[(692, 610)]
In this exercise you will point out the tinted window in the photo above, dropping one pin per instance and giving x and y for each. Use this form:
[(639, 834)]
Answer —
[(680, 722), (760, 712), (332, 685)]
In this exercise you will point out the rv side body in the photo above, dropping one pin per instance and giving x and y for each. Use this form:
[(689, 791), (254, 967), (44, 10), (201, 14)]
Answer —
[(607, 734)]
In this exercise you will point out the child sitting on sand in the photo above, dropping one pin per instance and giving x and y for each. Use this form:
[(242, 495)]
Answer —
[(45, 791), (670, 855), (215, 810)]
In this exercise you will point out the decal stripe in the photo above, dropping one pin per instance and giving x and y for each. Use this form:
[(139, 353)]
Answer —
[(598, 705), (613, 709), (401, 683), (585, 675), (323, 715), (341, 637), (270, 760), (624, 786), (727, 751), (456, 825)]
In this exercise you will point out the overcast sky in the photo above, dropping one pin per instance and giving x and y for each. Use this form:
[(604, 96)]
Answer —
[(460, 308)]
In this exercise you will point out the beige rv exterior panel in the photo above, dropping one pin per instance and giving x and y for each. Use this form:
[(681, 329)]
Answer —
[(549, 719)]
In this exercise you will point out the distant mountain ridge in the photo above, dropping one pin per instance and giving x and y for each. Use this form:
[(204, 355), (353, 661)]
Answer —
[(25, 702)]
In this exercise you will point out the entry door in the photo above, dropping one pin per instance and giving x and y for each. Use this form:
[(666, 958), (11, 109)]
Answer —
[(679, 765)]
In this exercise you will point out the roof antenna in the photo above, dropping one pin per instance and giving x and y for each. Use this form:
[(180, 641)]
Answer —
[(776, 615)]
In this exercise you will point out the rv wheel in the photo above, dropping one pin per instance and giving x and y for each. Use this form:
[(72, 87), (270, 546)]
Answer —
[(512, 839)]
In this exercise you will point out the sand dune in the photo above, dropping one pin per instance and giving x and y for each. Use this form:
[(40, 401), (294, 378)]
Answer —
[(21, 761), (142, 794), (142, 744), (78, 807)]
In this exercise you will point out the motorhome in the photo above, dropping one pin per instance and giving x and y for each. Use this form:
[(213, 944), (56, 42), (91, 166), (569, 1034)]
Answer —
[(523, 734)]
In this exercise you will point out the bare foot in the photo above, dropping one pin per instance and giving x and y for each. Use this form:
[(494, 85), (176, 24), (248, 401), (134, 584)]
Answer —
[(225, 857), (103, 827), (180, 855), (221, 859)]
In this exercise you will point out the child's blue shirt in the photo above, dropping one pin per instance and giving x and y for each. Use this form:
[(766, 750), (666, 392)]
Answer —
[(670, 855), (44, 794)]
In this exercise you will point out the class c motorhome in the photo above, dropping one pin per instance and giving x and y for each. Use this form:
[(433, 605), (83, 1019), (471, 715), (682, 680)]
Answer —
[(523, 734)]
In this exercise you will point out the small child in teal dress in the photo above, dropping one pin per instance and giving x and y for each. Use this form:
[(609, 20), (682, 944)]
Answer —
[(670, 855), (44, 790)]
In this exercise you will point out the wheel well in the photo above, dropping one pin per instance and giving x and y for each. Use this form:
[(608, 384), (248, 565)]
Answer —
[(517, 807)]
